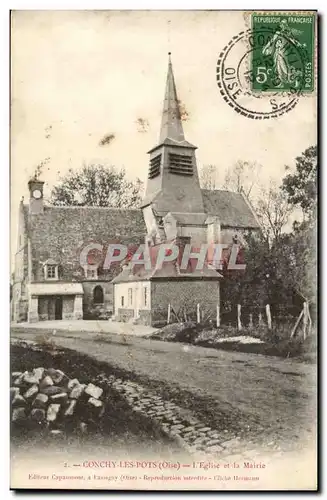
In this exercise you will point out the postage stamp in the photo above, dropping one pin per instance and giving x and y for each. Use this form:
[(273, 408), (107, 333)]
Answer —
[(283, 60), (264, 70)]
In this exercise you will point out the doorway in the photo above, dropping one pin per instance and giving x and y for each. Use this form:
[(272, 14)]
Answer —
[(58, 307)]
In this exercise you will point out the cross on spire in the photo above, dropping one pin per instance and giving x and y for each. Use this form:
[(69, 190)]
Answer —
[(171, 123)]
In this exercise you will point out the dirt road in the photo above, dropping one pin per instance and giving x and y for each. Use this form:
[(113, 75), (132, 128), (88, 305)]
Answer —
[(263, 398)]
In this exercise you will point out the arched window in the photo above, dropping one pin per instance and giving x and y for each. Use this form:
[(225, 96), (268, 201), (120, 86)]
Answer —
[(98, 295)]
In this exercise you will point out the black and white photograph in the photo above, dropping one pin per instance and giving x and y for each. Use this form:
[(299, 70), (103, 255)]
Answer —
[(163, 225)]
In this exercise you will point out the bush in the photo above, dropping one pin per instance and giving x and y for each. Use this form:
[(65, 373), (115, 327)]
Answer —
[(177, 332), (275, 342)]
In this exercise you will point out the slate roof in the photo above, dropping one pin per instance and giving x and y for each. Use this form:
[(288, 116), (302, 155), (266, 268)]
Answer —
[(89, 222), (231, 208), (60, 233)]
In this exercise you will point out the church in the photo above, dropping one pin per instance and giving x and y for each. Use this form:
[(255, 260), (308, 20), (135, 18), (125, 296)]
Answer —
[(49, 281)]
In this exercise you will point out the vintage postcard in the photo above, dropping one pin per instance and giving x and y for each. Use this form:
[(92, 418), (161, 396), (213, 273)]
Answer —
[(164, 228)]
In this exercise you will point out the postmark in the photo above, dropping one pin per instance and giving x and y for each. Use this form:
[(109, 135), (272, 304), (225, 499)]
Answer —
[(278, 64), (242, 61)]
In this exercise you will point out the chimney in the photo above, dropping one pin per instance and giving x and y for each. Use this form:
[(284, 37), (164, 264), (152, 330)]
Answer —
[(35, 187)]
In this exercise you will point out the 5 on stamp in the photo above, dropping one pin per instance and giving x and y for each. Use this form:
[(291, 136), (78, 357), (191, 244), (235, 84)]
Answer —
[(283, 58)]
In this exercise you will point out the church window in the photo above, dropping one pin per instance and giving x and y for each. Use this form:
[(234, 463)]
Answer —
[(98, 295), (154, 166), (145, 296), (122, 300), (180, 164)]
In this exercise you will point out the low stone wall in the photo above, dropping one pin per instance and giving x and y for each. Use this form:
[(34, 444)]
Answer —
[(125, 314)]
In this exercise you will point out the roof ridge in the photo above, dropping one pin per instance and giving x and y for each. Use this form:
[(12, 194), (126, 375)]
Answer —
[(75, 207)]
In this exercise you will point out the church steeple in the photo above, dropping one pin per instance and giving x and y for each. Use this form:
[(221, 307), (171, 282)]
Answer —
[(173, 181), (171, 123)]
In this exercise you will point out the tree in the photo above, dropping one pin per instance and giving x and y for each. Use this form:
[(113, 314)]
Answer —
[(301, 186), (242, 177), (273, 211), (98, 186), (208, 177)]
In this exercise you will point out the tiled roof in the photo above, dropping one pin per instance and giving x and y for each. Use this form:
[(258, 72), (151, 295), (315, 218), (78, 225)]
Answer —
[(60, 233), (231, 208)]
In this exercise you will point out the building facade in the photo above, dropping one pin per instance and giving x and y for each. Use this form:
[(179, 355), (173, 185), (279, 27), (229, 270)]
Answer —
[(51, 282)]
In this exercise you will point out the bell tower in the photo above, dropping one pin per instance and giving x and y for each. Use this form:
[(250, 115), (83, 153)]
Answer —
[(173, 182), (35, 187)]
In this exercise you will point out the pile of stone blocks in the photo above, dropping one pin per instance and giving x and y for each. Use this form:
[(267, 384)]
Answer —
[(47, 398)]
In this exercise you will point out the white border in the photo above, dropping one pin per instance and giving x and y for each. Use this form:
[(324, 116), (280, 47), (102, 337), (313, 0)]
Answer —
[(5, 7)]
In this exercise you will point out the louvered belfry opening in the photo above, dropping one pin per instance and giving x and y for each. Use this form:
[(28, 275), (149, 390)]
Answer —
[(154, 166), (180, 164)]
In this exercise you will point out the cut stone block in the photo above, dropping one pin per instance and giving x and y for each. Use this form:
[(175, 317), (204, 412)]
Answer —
[(53, 411), (95, 402), (20, 379), (58, 376), (50, 390), (31, 392), (18, 401), (31, 378), (39, 372), (71, 408), (46, 382), (94, 391), (72, 383), (61, 398), (77, 391), (40, 401)]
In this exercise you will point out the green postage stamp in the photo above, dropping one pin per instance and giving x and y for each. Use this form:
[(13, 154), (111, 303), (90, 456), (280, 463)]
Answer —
[(283, 55)]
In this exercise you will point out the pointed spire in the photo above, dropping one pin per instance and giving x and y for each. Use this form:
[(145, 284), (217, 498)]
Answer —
[(171, 123)]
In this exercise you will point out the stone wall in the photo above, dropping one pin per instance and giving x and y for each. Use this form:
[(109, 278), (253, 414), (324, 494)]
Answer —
[(125, 314), (43, 309), (68, 307), (19, 306), (98, 311)]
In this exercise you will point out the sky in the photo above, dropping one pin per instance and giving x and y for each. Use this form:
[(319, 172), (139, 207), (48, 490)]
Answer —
[(79, 75)]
